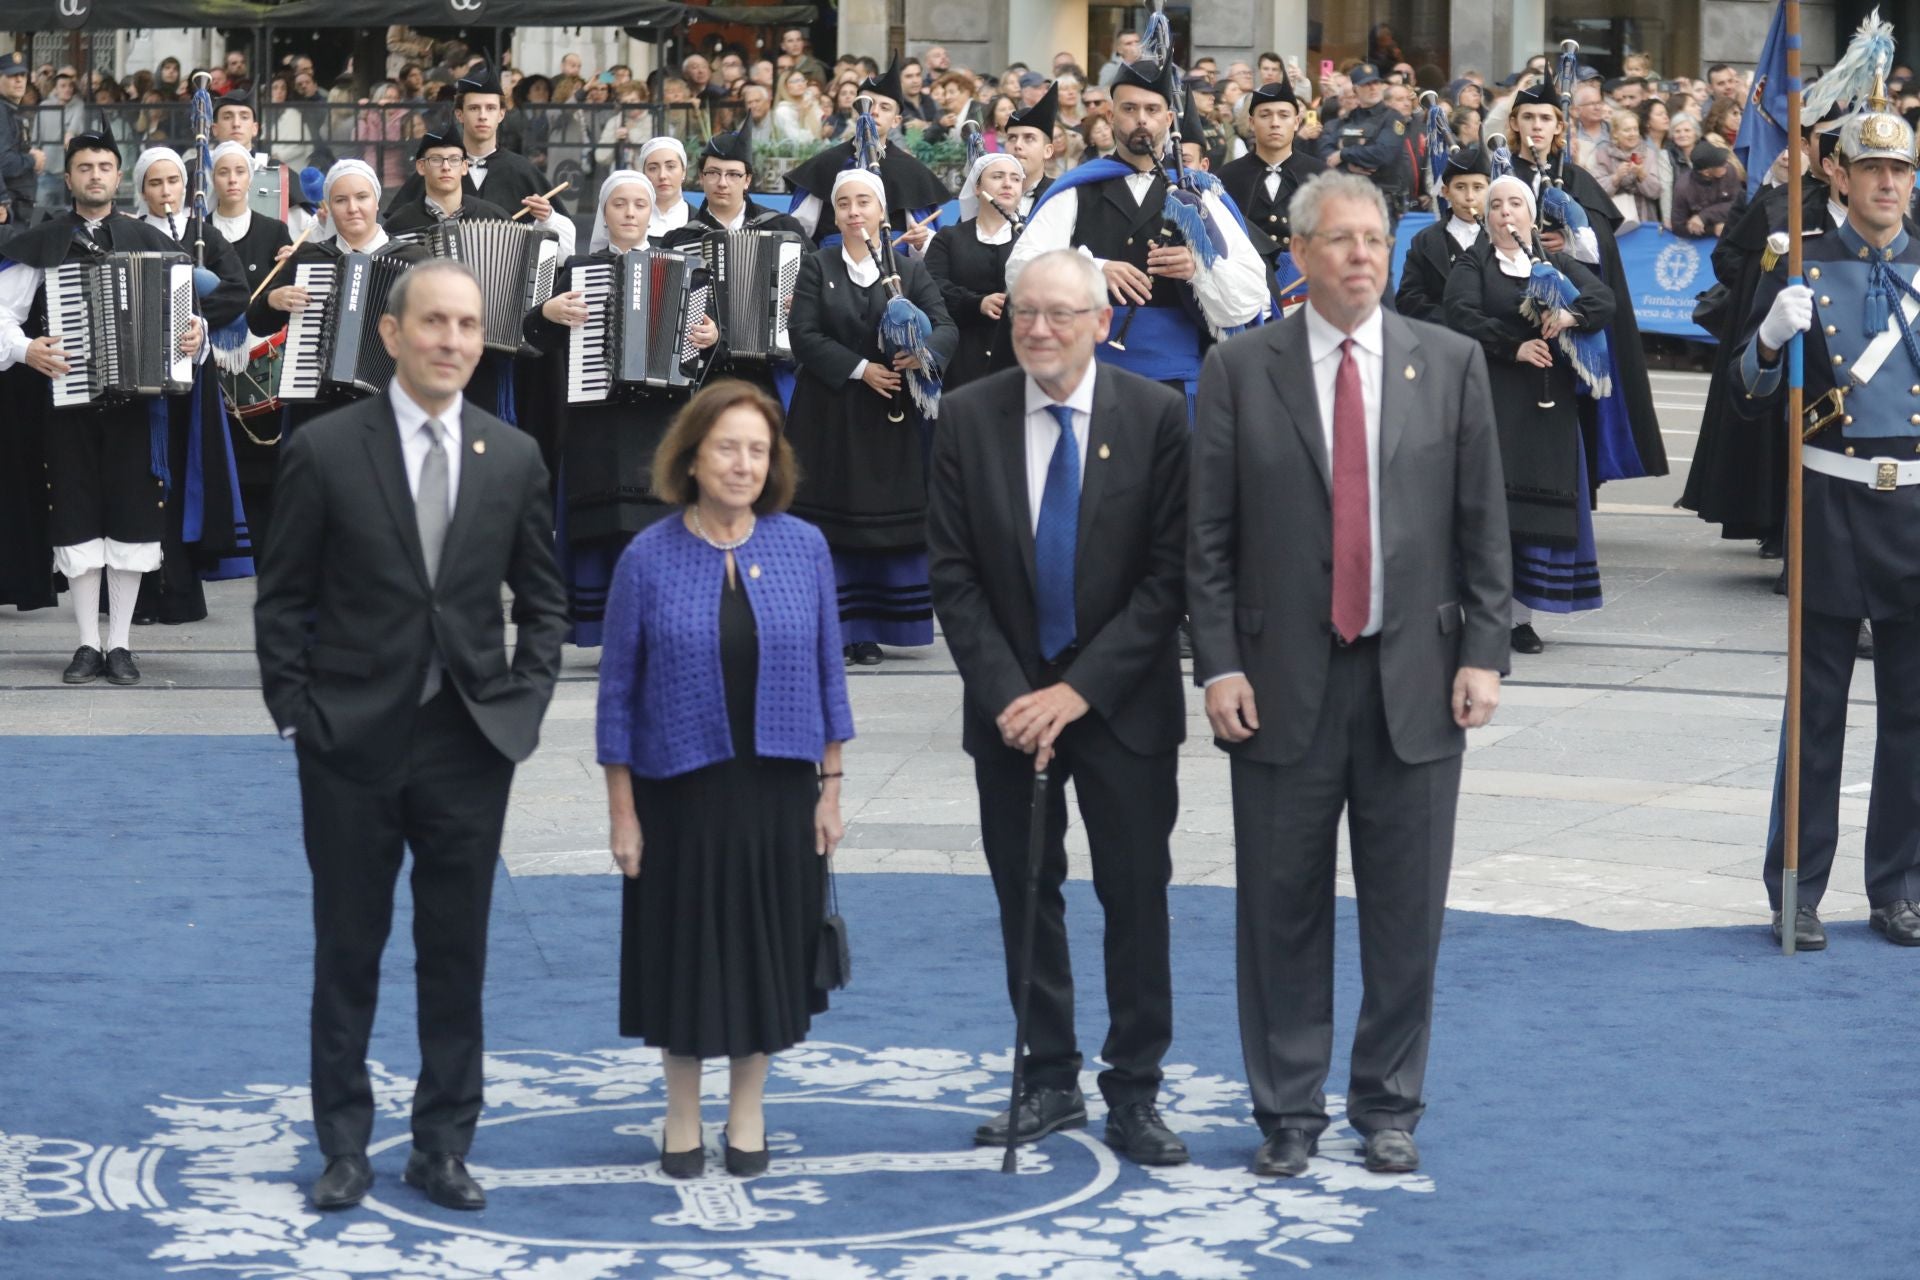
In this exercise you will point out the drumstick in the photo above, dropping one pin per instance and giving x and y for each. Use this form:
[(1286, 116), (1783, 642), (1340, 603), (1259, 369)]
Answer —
[(550, 195), (282, 262)]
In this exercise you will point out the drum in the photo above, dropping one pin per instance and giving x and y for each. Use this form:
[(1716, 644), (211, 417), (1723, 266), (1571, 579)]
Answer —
[(249, 393)]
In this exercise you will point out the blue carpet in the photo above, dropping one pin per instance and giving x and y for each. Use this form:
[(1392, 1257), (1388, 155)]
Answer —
[(1656, 1104)]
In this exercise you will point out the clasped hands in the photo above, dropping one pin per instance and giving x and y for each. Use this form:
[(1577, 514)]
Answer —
[(884, 381), (1034, 721)]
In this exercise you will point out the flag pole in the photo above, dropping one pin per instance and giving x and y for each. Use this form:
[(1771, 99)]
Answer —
[(1796, 383)]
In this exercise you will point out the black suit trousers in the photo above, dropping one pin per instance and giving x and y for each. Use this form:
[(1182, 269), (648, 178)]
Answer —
[(1286, 821), (448, 803), (1828, 649), (1128, 802)]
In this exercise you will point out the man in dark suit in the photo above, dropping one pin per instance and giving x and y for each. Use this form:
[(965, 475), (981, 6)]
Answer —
[(1056, 566), (1348, 574), (380, 638)]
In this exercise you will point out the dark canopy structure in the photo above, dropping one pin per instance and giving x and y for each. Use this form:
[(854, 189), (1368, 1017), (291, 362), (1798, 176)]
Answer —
[(645, 16)]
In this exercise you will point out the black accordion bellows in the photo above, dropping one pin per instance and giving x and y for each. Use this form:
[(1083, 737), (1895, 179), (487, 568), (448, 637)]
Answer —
[(119, 318)]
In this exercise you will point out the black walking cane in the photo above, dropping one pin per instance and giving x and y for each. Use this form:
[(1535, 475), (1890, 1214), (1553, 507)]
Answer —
[(1036, 844)]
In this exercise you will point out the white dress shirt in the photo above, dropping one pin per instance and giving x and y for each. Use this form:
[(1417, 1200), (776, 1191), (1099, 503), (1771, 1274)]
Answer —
[(734, 223), (415, 440), (1464, 233), (865, 273), (1003, 236), (562, 227), (1370, 353), (1043, 434), (1231, 292), (234, 229), (665, 220)]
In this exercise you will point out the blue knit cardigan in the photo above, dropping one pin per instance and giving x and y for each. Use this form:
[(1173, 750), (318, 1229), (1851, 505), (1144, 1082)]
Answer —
[(663, 703)]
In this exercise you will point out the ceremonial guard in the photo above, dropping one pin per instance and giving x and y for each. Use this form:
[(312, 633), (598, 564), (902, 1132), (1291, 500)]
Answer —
[(1576, 216), (1861, 531), (1027, 136), (1371, 140), (606, 447), (862, 415), (726, 172), (106, 471), (969, 262), (1262, 182), (207, 533), (914, 194), (1435, 249), (258, 241), (1541, 320), (441, 162), (1179, 266)]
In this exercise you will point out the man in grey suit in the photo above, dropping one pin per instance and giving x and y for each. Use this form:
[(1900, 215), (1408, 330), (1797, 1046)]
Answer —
[(1347, 576)]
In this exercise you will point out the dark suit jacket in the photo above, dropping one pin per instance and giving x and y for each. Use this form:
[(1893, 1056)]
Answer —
[(345, 620), (1127, 570), (1260, 551)]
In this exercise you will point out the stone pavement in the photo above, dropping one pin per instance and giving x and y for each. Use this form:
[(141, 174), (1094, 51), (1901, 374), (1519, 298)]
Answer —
[(1624, 782)]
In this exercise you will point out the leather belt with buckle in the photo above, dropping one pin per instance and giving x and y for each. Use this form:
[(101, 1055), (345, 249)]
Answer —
[(1823, 412), (1883, 475)]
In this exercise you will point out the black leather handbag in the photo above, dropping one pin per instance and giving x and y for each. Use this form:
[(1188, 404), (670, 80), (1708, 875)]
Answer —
[(832, 958)]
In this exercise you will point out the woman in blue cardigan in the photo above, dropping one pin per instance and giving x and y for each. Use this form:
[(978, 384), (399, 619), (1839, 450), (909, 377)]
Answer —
[(723, 706)]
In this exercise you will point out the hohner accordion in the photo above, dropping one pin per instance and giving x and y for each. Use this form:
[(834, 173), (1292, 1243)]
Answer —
[(119, 318), (334, 345), (514, 263), (753, 275), (641, 308)]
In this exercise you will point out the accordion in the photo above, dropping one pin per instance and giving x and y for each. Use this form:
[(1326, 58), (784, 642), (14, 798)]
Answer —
[(514, 263), (119, 318), (641, 307), (753, 275), (334, 345)]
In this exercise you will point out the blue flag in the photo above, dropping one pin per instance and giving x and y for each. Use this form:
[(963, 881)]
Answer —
[(1763, 126)]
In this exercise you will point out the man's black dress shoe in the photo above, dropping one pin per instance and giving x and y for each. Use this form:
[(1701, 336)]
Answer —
[(1527, 640), (745, 1164), (120, 668), (1808, 933), (866, 654), (1136, 1131), (86, 667), (1391, 1151), (1284, 1153), (344, 1184), (1043, 1111), (1863, 647), (691, 1163), (445, 1179), (1900, 921)]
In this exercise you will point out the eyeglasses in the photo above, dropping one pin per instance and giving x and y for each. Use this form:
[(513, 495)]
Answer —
[(1343, 241), (1057, 317), (724, 175), (443, 162)]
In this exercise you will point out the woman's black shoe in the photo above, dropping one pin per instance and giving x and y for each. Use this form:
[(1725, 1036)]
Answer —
[(1527, 640), (866, 654), (684, 1164), (744, 1164), (846, 654)]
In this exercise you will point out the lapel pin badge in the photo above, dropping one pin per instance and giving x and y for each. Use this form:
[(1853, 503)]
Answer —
[(479, 446), (1410, 373), (753, 571), (1105, 452)]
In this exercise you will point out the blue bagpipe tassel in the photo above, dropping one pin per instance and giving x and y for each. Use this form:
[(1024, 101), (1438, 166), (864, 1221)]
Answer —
[(1549, 290), (1556, 206), (1195, 225), (905, 328)]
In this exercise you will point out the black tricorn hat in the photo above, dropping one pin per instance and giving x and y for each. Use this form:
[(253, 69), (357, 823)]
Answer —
[(1156, 77), (238, 98), (1537, 95), (1469, 159), (727, 146), (1041, 115), (887, 84), (429, 141), (481, 81), (93, 140), (1279, 91)]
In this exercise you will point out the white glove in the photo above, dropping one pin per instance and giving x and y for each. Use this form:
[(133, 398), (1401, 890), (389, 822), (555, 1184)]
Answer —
[(1791, 313)]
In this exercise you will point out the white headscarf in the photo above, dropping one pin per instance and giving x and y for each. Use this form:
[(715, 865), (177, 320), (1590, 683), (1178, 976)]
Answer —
[(229, 148), (970, 189), (1517, 264), (871, 181), (148, 158), (344, 169), (235, 227), (601, 239), (652, 145)]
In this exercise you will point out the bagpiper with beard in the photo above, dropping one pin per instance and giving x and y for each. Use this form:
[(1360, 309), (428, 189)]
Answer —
[(726, 171), (1861, 516), (106, 476), (1263, 181), (914, 193), (1436, 249), (1171, 301), (1028, 137), (1621, 431)]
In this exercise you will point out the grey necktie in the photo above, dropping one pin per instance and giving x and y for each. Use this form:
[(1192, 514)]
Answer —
[(430, 510)]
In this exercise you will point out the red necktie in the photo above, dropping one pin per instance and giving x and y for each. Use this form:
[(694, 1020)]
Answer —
[(1352, 525)]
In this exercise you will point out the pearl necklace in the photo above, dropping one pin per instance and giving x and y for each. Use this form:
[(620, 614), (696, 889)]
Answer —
[(700, 531)]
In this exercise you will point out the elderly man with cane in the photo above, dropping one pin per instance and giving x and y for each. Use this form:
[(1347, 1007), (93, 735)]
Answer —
[(1055, 528)]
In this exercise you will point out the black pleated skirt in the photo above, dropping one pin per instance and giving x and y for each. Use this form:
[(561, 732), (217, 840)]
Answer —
[(718, 931)]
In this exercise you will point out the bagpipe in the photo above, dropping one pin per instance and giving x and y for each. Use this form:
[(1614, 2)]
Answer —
[(904, 327), (1558, 208), (1441, 145)]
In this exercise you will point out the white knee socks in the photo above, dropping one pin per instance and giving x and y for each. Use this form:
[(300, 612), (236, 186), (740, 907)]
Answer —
[(85, 592), (123, 588)]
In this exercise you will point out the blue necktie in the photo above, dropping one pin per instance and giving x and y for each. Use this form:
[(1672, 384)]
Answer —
[(1053, 541)]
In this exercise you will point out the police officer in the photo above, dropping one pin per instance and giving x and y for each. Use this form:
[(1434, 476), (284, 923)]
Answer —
[(1216, 142), (1263, 181), (1372, 141), (20, 161), (1861, 533)]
